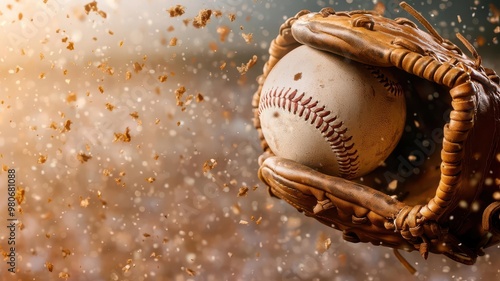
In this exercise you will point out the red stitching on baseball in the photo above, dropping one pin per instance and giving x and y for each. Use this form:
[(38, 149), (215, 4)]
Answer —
[(331, 128), (391, 86)]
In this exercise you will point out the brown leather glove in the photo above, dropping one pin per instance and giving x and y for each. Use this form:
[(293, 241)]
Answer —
[(439, 190)]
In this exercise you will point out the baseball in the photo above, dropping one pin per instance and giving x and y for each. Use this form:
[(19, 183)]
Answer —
[(337, 116)]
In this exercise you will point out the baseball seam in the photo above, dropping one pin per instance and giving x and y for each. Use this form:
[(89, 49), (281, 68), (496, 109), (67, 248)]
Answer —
[(332, 129), (394, 88)]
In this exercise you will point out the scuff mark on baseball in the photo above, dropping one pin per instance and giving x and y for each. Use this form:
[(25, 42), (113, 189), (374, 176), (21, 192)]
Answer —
[(340, 117)]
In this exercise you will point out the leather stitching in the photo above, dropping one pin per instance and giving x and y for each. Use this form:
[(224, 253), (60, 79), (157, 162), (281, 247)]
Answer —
[(310, 110)]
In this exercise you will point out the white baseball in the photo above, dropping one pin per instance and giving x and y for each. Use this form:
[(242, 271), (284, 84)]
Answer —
[(338, 116)]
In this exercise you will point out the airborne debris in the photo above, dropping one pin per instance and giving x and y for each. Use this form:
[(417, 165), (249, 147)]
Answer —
[(82, 157), (243, 69), (71, 97), (495, 14), (137, 67), (223, 32), (162, 78), (71, 46), (67, 126), (173, 42), (65, 252), (42, 159), (84, 202), (109, 106), (49, 266), (248, 37), (177, 10), (209, 165), (199, 97), (20, 193), (243, 191), (63, 275), (379, 8), (134, 115), (124, 137), (179, 93), (202, 18), (92, 7)]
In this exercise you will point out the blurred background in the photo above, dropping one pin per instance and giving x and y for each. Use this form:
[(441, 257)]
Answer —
[(129, 126)]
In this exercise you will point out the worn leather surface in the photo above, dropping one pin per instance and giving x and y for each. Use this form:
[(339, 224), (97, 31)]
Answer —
[(439, 191)]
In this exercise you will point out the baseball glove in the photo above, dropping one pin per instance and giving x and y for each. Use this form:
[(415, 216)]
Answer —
[(439, 190)]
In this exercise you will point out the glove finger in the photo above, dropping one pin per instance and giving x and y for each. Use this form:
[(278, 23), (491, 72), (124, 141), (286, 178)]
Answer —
[(264, 156), (304, 187)]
